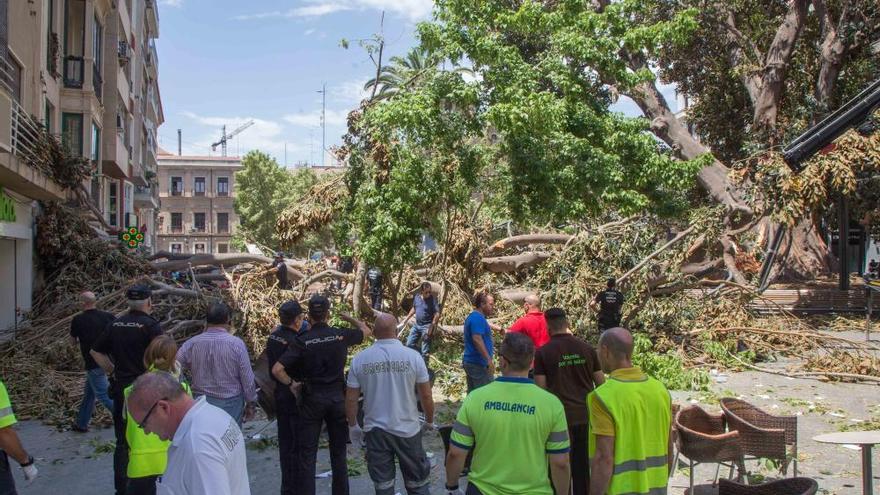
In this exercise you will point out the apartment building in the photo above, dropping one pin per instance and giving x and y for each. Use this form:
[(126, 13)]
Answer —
[(196, 194), (86, 71)]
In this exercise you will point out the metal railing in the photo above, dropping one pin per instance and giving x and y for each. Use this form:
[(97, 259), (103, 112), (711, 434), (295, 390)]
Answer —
[(74, 70), (25, 134), (8, 78)]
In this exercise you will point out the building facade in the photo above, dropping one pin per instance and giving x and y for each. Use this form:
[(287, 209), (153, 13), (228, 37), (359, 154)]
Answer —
[(85, 70), (196, 195)]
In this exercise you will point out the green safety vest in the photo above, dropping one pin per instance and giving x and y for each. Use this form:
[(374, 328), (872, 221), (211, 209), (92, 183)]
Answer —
[(642, 414), (147, 454)]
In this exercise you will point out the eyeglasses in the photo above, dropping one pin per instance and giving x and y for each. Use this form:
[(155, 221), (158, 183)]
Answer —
[(143, 423)]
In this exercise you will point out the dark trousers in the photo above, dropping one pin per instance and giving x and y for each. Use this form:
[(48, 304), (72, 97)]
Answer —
[(472, 490), (287, 451), (608, 321), (580, 459), (376, 300), (120, 455), (314, 411), (7, 483), (142, 486), (383, 448)]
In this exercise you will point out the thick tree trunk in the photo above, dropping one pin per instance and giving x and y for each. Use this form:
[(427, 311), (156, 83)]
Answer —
[(510, 264), (528, 239)]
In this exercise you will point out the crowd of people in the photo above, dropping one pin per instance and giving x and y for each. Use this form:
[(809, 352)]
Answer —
[(562, 417)]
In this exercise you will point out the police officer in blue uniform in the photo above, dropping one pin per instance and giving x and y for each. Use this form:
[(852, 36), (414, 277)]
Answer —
[(317, 357), (120, 352)]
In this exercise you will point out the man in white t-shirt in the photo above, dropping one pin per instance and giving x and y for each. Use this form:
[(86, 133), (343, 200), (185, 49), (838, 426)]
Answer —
[(387, 373), (207, 452)]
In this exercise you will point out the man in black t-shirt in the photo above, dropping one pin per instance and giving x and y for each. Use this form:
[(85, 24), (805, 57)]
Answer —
[(84, 330), (279, 268), (120, 352), (569, 368), (608, 303), (318, 357), (291, 317)]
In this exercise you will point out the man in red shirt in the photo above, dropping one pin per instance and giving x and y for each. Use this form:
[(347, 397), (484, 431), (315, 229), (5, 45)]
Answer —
[(532, 323)]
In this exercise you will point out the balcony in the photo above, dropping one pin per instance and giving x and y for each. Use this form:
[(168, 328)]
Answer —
[(116, 158), (175, 229), (152, 18), (146, 197), (152, 60), (74, 72)]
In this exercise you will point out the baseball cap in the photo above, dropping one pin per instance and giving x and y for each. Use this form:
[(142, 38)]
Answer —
[(319, 305), (138, 293), (290, 309), (279, 254)]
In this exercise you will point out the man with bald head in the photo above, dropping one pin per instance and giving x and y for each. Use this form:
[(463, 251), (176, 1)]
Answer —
[(532, 323), (630, 421), (84, 331), (207, 452), (388, 374)]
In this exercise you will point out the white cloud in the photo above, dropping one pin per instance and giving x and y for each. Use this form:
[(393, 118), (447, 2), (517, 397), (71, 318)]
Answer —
[(265, 135), (413, 10), (335, 118), (314, 10), (171, 3), (349, 92), (309, 32)]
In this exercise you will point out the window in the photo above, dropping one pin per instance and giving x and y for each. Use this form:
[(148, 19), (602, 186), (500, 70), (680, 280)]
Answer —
[(222, 248), (14, 77), (200, 247), (51, 40), (222, 186), (50, 112), (199, 186), (175, 248), (177, 186), (176, 223), (72, 132), (223, 223), (96, 143), (199, 222), (113, 212)]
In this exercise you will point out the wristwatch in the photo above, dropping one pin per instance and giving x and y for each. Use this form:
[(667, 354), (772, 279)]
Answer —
[(30, 462)]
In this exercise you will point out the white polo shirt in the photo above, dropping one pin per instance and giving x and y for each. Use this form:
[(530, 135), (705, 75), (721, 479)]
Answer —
[(387, 373), (206, 456)]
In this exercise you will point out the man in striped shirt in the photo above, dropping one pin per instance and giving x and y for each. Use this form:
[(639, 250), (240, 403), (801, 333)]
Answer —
[(220, 367)]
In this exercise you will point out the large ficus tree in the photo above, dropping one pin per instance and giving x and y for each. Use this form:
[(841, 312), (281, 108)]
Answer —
[(533, 136)]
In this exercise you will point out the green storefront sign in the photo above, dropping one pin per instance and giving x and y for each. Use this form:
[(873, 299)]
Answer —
[(7, 208)]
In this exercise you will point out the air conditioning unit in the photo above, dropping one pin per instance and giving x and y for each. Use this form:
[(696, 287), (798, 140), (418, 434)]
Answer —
[(124, 54)]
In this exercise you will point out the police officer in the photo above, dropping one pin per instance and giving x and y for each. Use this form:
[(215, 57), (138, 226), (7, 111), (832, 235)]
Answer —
[(120, 352), (279, 268), (608, 303), (10, 446), (318, 357), (291, 319)]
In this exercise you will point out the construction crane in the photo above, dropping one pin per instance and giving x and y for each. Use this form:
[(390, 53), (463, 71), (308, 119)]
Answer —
[(227, 137)]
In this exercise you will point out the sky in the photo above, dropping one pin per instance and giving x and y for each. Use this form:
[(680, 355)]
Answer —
[(226, 62)]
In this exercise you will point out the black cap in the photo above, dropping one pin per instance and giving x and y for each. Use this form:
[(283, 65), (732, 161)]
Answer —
[(279, 254), (611, 282), (319, 305), (138, 293), (290, 309)]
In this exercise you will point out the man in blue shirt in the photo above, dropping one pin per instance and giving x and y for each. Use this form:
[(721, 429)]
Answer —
[(478, 349), (427, 312)]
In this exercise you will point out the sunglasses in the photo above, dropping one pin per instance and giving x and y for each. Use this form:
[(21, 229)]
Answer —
[(143, 423)]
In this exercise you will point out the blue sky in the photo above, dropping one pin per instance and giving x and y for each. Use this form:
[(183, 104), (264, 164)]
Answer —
[(230, 61)]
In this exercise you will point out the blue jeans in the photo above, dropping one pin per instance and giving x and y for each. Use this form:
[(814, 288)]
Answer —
[(95, 388), (419, 332), (476, 375), (234, 406)]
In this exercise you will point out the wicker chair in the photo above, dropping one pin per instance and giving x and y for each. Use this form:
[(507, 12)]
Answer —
[(762, 435), (790, 486), (702, 438)]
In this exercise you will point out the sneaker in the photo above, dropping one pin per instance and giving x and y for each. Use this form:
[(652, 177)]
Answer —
[(75, 427)]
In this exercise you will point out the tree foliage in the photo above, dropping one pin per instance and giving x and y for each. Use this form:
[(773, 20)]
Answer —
[(263, 190)]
